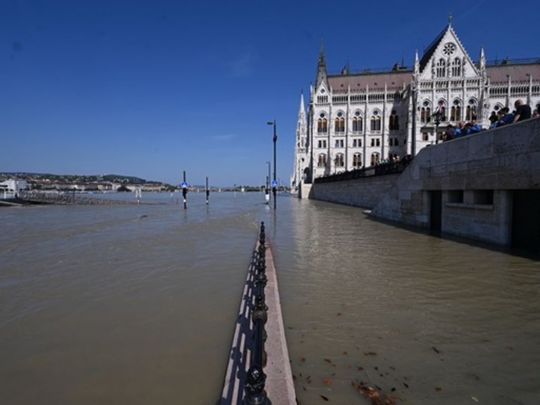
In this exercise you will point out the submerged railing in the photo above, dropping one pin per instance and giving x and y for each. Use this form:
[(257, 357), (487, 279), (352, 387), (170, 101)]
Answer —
[(255, 393)]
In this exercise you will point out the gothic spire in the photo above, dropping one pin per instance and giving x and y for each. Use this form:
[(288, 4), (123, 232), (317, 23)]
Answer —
[(321, 67), (482, 59), (302, 108)]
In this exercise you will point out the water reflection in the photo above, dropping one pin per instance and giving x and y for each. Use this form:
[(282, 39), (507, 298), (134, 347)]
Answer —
[(425, 319)]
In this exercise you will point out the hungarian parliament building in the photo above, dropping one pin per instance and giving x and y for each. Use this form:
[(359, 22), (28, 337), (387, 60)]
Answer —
[(356, 120)]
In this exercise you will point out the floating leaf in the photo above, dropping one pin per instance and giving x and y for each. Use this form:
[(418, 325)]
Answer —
[(436, 350), (325, 398), (327, 381), (475, 399), (370, 354), (328, 360)]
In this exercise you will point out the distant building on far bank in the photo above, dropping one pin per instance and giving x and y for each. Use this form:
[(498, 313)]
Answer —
[(12, 187), (355, 120)]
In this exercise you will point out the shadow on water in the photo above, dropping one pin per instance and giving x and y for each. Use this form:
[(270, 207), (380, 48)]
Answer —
[(524, 253), (243, 344)]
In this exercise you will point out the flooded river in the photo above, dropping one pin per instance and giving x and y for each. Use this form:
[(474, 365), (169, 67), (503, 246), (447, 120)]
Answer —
[(136, 305)]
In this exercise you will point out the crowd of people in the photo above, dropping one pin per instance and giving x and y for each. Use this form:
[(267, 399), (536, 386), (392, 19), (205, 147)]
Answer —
[(497, 119)]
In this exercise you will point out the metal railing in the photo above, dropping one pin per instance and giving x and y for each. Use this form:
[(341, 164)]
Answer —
[(256, 379), (378, 170)]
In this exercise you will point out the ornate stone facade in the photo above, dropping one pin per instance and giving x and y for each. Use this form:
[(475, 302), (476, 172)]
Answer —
[(355, 120)]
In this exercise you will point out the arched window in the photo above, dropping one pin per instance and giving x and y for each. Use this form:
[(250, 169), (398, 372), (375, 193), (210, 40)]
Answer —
[(440, 68), (456, 67), (339, 122), (357, 122), (455, 111), (357, 160), (425, 112), (375, 158), (321, 162), (375, 121), (394, 121), (441, 108), (322, 124), (339, 161), (471, 110)]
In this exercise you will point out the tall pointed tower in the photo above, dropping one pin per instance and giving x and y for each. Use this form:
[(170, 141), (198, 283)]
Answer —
[(321, 69), (301, 148)]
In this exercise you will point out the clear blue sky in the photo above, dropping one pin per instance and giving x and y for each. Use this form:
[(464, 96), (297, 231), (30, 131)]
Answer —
[(151, 88)]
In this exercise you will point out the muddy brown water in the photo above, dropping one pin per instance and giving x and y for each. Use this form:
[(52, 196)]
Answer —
[(136, 304)]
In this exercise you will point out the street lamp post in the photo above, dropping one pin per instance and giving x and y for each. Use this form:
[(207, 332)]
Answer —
[(267, 189), (274, 183), (437, 115)]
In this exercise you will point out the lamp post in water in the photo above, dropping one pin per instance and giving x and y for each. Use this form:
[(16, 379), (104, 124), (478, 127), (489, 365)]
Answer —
[(184, 190), (207, 191), (267, 188), (274, 182)]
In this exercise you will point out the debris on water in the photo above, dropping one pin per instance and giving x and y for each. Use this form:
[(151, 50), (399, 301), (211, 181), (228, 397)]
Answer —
[(475, 399), (327, 381), (303, 359), (406, 385), (393, 389), (325, 398), (290, 327), (436, 350), (345, 353), (294, 377), (360, 368), (392, 368), (374, 394), (438, 389), (338, 314), (370, 354), (304, 388), (328, 360)]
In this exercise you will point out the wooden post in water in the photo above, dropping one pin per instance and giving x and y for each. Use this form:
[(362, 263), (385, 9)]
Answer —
[(207, 191)]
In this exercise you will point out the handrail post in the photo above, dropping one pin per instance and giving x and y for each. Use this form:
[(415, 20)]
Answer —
[(255, 392)]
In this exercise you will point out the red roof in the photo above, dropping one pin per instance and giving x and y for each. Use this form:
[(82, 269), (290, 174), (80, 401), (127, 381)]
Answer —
[(393, 80), (517, 72)]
